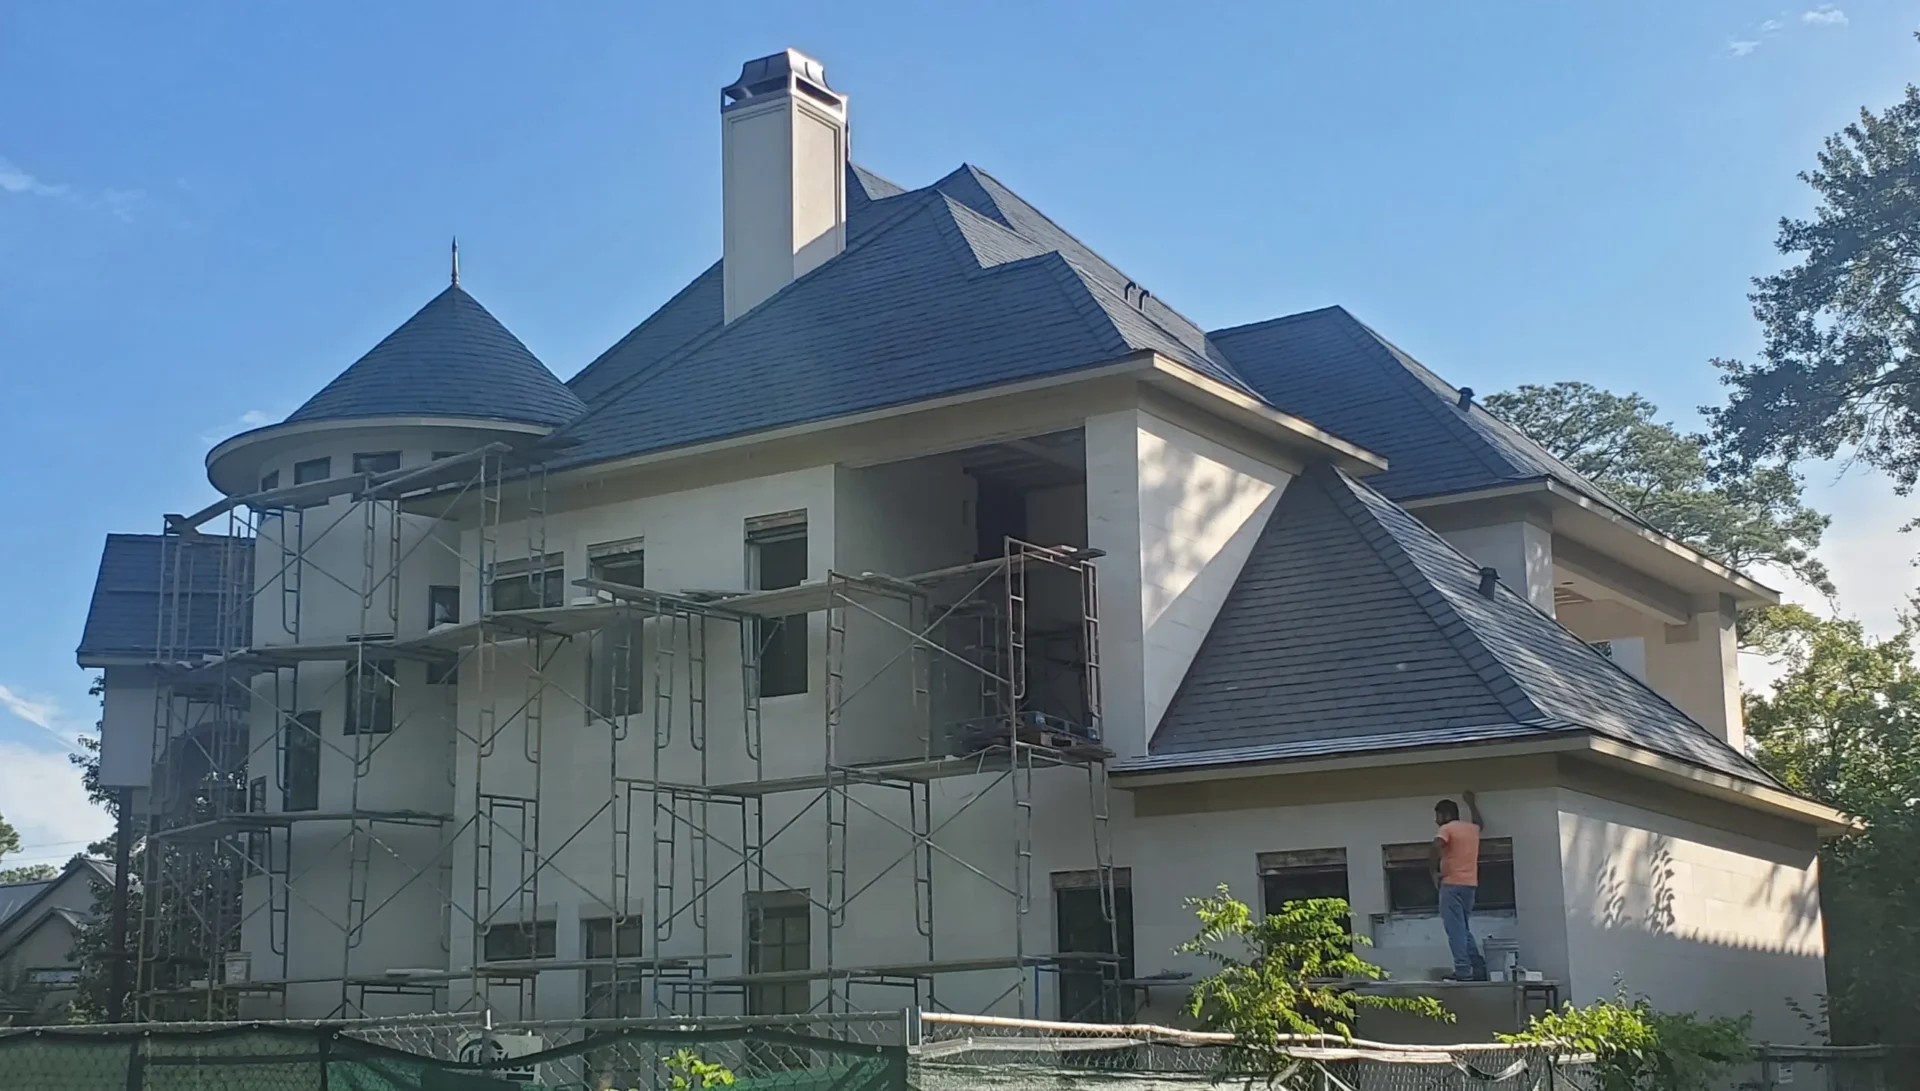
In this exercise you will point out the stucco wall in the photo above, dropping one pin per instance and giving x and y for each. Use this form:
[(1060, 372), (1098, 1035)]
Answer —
[(1522, 551), (1696, 666), (1190, 509), (1695, 916)]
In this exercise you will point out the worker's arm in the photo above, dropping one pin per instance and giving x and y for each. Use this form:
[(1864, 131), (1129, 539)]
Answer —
[(1433, 858), (1473, 809)]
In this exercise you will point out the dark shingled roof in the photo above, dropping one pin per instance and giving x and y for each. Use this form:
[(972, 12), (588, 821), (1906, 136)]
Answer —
[(451, 359), (1333, 370), (1353, 626), (951, 287), (137, 615), (932, 298)]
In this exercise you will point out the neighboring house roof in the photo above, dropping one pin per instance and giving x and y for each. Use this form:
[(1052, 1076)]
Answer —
[(160, 598), (451, 359), (1331, 369), (1352, 626), (17, 896)]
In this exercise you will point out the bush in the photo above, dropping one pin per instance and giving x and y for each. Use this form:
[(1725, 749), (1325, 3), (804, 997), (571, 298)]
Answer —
[(1640, 1049), (1282, 974)]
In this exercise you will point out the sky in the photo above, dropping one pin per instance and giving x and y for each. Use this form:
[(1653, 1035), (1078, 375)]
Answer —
[(207, 210)]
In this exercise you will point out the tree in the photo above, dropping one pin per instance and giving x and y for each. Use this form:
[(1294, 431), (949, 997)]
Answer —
[(1840, 366), (1676, 481), (1287, 973), (1638, 1048), (28, 873), (1843, 726)]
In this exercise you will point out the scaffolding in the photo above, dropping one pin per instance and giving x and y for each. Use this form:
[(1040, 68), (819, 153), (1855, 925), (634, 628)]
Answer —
[(236, 647), (966, 684)]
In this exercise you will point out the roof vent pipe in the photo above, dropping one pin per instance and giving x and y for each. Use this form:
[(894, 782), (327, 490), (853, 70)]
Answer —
[(1466, 398), (1489, 579)]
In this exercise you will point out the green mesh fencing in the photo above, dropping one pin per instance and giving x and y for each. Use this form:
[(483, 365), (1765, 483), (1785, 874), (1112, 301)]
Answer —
[(258, 1057)]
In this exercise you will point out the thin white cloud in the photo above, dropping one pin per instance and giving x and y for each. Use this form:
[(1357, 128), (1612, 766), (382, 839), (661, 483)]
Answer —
[(1741, 48), (42, 798), (118, 203), (42, 712), (1772, 26), (256, 418), (251, 419), (1826, 15)]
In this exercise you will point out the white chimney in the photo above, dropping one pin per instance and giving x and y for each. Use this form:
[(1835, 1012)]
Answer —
[(783, 145)]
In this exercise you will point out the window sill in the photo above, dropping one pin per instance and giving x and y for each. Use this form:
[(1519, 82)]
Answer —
[(1428, 914)]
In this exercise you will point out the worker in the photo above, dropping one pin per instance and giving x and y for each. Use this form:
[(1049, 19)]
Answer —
[(1455, 856)]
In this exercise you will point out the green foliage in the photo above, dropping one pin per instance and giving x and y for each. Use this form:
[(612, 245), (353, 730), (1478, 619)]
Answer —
[(1640, 1049), (1674, 480), (1285, 973), (28, 873), (1842, 324), (1842, 725), (9, 837), (688, 1072)]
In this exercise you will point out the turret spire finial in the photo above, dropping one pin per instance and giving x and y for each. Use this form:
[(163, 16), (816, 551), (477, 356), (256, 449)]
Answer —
[(456, 261)]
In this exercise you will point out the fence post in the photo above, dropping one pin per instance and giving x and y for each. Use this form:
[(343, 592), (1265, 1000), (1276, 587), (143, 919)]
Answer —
[(326, 1055), (137, 1063)]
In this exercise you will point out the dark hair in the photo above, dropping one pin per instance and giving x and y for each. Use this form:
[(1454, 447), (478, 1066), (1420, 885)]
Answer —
[(1447, 810)]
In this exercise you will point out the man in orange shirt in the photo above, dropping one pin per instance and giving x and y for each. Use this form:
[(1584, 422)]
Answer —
[(1456, 871)]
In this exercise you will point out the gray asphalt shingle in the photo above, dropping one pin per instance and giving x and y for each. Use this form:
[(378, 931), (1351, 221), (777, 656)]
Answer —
[(1333, 370), (136, 614), (1352, 621), (451, 359)]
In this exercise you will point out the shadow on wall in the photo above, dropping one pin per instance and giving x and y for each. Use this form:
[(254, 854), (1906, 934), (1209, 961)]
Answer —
[(1711, 922)]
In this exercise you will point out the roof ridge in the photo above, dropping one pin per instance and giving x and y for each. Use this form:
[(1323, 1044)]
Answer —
[(1265, 323), (1453, 625), (620, 390), (644, 324), (1448, 419), (1077, 241)]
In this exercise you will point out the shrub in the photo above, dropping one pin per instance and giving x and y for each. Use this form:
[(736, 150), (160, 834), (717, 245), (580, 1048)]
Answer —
[(1641, 1049)]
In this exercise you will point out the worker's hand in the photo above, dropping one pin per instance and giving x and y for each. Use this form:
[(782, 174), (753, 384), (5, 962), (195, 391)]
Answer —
[(1467, 798)]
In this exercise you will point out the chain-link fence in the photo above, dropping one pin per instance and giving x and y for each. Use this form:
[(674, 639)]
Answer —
[(958, 1052), (444, 1054)]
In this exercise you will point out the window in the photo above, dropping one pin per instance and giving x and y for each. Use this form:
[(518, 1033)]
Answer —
[(270, 482), (1302, 874), (376, 462), (370, 697), (613, 993), (313, 469), (526, 939), (443, 606), (529, 583), (1092, 993), (616, 659), (256, 840), (56, 976), (776, 558), (300, 774), (778, 939), (1410, 886)]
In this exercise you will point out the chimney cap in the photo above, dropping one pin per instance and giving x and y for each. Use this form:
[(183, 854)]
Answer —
[(1489, 579), (1466, 398), (781, 73)]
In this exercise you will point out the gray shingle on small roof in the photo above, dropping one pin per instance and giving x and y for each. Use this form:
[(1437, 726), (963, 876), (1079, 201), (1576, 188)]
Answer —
[(135, 615), (15, 896), (1351, 621), (451, 359), (1331, 369)]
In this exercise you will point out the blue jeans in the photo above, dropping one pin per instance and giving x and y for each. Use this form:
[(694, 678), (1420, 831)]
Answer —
[(1456, 909)]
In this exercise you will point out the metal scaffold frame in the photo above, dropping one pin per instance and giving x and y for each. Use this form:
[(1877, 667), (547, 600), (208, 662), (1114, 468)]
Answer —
[(708, 832), (208, 828)]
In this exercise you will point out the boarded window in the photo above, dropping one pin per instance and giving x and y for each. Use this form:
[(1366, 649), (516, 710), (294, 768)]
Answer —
[(776, 558), (779, 938), (301, 773), (1298, 875), (369, 686), (612, 994), (518, 940), (376, 462), (529, 583), (616, 659), (313, 469), (1084, 924), (1409, 868)]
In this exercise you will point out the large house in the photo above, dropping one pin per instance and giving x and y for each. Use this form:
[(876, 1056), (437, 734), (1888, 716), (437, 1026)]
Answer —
[(915, 610)]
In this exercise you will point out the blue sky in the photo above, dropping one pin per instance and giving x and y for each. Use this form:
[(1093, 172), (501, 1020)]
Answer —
[(208, 210)]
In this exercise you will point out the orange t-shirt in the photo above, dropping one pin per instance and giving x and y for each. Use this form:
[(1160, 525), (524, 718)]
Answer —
[(1460, 854)]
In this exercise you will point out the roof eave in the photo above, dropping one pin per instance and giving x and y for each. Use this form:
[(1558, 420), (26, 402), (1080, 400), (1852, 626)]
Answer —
[(1203, 766), (226, 474), (1313, 442), (1713, 576)]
